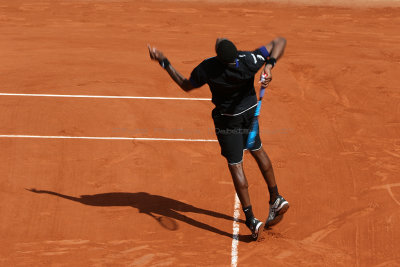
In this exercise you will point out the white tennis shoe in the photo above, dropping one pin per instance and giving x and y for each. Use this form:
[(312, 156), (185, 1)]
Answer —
[(276, 211)]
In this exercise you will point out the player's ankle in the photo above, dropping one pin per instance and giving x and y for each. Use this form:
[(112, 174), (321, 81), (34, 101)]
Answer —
[(273, 194), (248, 211)]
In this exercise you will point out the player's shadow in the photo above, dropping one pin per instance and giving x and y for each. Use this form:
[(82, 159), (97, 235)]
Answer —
[(165, 210)]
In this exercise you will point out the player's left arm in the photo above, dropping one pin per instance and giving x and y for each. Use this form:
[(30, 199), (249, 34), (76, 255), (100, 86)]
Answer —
[(273, 51), (178, 78)]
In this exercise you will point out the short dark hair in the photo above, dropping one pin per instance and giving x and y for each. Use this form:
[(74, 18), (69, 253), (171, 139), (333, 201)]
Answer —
[(226, 51)]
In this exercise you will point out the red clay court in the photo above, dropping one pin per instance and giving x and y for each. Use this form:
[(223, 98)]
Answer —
[(330, 123)]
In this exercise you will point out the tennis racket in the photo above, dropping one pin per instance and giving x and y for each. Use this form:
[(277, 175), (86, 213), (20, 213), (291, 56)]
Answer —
[(166, 222), (254, 124)]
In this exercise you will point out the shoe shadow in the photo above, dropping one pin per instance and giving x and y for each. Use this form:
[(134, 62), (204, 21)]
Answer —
[(163, 209)]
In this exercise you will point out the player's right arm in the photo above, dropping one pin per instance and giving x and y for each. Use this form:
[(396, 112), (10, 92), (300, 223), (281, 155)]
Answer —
[(178, 78), (183, 83)]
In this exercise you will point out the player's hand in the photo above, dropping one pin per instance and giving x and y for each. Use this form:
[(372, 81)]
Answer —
[(266, 77), (155, 54)]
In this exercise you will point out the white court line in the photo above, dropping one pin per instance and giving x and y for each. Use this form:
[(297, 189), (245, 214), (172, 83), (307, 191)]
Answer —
[(235, 237), (115, 97), (107, 138)]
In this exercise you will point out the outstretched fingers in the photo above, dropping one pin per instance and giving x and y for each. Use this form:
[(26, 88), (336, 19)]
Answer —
[(151, 51), (155, 54)]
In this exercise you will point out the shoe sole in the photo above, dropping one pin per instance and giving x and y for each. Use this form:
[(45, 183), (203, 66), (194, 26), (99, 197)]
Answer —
[(257, 237), (279, 217)]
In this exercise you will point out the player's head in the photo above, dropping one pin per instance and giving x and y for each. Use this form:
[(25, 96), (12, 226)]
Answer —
[(226, 51)]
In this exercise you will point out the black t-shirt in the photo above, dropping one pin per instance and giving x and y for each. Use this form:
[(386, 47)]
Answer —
[(232, 87)]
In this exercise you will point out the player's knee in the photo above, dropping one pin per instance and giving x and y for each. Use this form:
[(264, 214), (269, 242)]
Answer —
[(259, 154), (242, 184), (263, 159), (238, 175), (267, 164)]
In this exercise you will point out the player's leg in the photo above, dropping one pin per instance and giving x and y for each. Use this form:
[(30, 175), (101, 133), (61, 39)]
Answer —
[(241, 187), (265, 165), (277, 204), (234, 155), (230, 141), (240, 183)]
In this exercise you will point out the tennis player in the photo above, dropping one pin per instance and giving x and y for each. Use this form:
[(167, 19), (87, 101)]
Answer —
[(230, 76)]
